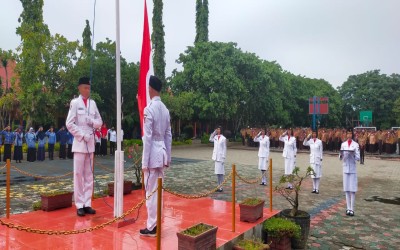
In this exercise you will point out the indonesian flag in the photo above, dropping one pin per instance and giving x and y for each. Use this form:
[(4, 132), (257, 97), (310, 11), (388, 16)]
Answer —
[(146, 69)]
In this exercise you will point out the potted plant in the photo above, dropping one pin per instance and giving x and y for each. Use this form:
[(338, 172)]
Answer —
[(135, 157), (253, 244), (300, 217), (199, 236), (251, 209), (127, 188), (54, 200), (280, 231)]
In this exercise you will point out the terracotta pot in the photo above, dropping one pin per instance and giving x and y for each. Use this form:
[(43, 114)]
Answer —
[(251, 213), (205, 241), (280, 244), (127, 188), (50, 203)]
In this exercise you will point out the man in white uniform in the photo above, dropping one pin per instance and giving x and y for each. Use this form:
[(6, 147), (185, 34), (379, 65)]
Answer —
[(83, 118), (316, 149), (113, 139), (157, 140), (349, 154), (289, 152), (219, 155), (263, 154)]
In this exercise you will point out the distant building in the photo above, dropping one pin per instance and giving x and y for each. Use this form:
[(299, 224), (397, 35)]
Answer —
[(10, 73)]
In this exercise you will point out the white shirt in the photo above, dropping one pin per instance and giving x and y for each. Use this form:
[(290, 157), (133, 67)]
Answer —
[(157, 137), (77, 125), (113, 135)]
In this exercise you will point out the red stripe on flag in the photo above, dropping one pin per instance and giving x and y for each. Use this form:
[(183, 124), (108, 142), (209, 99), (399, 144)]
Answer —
[(145, 68)]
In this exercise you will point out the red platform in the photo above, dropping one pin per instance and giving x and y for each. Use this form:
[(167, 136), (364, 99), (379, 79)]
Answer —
[(178, 214)]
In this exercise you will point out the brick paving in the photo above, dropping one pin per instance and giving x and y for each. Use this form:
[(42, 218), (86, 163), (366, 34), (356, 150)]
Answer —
[(375, 225)]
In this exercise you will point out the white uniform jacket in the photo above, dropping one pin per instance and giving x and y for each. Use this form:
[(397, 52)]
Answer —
[(157, 137), (77, 124), (316, 150), (219, 152), (289, 149), (263, 150), (350, 156)]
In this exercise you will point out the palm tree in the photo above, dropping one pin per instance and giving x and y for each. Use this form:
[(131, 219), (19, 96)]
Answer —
[(5, 56)]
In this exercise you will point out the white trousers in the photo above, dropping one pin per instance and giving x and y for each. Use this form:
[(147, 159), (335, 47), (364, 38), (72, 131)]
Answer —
[(83, 179), (151, 176)]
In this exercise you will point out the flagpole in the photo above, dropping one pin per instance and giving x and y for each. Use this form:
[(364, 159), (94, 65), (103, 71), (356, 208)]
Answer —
[(119, 154)]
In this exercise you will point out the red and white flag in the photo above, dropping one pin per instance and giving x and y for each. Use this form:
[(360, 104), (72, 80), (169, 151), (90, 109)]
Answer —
[(146, 69)]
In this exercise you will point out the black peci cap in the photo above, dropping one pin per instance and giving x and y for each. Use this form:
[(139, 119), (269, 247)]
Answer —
[(84, 80), (155, 83)]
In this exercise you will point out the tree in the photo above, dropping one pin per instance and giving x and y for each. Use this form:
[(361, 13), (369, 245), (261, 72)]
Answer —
[(396, 111), (86, 40), (157, 38), (34, 34), (371, 91), (201, 21)]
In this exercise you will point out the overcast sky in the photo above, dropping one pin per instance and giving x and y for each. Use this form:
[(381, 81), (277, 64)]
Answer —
[(328, 39)]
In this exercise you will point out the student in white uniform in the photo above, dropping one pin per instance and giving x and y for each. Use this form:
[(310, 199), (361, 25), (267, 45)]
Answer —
[(157, 140), (316, 149), (289, 153), (349, 154), (263, 154), (83, 118), (219, 155)]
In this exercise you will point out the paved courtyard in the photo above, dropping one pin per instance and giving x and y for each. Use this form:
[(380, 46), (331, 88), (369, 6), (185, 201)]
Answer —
[(377, 210)]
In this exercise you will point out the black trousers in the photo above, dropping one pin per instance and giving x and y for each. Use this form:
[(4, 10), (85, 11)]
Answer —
[(97, 149), (112, 147), (17, 153), (51, 151), (62, 151), (103, 147), (70, 155), (362, 154), (7, 152), (31, 154)]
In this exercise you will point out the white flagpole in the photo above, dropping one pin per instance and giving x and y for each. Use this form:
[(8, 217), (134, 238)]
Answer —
[(119, 154)]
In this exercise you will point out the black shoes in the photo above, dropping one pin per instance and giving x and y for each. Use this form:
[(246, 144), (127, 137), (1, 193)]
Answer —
[(291, 188), (349, 212), (85, 210), (263, 183), (315, 191), (219, 190), (80, 212), (146, 232), (89, 210)]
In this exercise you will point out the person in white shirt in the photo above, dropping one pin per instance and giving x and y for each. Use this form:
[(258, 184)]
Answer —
[(83, 118), (289, 152), (156, 157), (219, 155), (349, 154), (263, 154), (316, 150), (112, 136)]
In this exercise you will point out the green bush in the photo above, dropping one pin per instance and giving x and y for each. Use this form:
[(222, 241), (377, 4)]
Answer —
[(131, 142), (178, 143), (277, 227), (188, 131), (251, 244), (37, 205), (205, 138)]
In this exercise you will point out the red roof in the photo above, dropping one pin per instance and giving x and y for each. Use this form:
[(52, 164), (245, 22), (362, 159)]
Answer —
[(10, 70)]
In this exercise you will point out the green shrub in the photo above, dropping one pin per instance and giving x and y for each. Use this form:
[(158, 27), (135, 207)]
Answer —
[(37, 205), (131, 142), (205, 138), (197, 229), (54, 193), (178, 143), (279, 227), (251, 244), (251, 201)]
